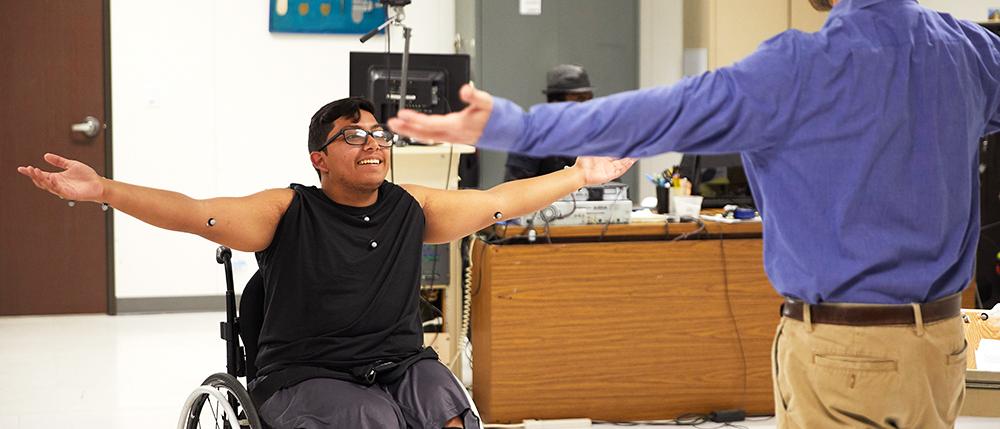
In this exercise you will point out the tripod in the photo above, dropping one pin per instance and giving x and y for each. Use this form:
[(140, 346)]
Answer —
[(396, 19)]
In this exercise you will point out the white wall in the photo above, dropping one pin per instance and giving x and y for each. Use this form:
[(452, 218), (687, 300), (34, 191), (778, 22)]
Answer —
[(207, 102), (972, 10), (661, 45)]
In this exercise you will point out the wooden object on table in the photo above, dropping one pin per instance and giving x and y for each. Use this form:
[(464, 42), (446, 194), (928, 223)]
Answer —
[(622, 330)]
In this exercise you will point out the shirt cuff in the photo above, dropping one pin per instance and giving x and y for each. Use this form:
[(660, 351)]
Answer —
[(504, 126)]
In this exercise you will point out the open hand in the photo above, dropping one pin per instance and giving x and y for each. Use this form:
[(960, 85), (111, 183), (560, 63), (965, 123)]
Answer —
[(463, 127), (601, 169), (76, 182)]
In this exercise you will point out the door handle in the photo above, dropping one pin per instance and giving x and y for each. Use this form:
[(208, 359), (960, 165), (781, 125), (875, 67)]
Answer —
[(89, 127)]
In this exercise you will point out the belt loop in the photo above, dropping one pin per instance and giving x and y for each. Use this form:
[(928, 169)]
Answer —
[(918, 319), (807, 316)]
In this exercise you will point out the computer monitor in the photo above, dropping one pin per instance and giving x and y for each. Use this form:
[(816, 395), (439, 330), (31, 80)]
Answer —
[(433, 81), (993, 26), (720, 179)]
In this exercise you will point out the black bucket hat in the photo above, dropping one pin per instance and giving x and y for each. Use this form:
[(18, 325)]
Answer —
[(567, 78)]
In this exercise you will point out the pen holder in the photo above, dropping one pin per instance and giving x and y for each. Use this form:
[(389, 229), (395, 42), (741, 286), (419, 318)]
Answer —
[(662, 200)]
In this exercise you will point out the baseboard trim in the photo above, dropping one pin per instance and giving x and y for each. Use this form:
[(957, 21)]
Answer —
[(172, 304)]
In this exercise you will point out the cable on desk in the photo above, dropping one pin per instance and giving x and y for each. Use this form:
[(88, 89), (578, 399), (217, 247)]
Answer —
[(608, 221), (695, 420), (699, 230), (549, 219), (732, 314)]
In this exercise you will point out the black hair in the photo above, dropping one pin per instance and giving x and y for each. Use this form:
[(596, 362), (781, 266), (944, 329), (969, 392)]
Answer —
[(322, 121), (554, 97)]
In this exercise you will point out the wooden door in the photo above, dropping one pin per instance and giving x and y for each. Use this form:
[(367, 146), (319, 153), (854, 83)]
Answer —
[(53, 258)]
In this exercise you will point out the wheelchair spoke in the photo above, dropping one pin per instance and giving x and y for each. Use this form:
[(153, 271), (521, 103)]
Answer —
[(215, 414)]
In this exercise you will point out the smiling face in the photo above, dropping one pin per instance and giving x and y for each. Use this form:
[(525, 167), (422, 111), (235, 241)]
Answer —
[(356, 168)]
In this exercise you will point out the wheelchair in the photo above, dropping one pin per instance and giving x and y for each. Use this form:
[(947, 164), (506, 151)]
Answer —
[(222, 401)]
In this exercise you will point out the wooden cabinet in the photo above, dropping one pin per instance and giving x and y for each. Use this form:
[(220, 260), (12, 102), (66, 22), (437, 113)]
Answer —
[(626, 330), (732, 29)]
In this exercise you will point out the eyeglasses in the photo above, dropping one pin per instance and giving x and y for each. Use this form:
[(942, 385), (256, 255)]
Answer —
[(359, 136)]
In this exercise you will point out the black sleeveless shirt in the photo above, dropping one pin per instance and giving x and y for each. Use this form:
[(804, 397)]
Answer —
[(341, 283)]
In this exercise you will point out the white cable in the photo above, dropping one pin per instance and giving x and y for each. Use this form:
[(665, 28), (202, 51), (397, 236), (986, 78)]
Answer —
[(466, 310)]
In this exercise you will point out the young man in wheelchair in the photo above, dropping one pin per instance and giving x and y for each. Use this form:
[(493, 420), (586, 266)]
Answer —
[(341, 343)]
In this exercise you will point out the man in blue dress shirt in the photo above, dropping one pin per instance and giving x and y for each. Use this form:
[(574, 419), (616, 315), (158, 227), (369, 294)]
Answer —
[(860, 144)]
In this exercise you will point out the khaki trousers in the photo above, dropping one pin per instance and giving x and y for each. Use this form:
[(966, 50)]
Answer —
[(896, 376)]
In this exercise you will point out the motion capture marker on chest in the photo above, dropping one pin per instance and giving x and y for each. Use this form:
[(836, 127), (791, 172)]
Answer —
[(211, 221), (366, 218), (374, 244)]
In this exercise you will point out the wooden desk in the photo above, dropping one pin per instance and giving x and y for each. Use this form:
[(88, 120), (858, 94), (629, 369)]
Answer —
[(626, 330)]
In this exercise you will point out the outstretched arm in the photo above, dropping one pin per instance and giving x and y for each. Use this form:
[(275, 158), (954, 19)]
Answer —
[(454, 214), (752, 105), (244, 223)]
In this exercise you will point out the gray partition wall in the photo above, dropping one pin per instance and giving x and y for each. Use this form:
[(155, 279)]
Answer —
[(511, 53)]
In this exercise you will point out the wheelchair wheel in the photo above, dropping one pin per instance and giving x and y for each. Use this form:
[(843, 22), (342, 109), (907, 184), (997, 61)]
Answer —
[(221, 402)]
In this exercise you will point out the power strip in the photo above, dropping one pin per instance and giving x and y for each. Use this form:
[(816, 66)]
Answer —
[(558, 424)]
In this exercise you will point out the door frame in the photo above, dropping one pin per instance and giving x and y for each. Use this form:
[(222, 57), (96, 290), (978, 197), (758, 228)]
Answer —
[(109, 219)]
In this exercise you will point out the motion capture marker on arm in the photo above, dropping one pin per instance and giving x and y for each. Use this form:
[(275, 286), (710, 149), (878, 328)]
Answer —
[(211, 221), (498, 215)]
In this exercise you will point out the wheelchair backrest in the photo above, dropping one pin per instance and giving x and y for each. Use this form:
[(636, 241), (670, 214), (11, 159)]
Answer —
[(251, 317)]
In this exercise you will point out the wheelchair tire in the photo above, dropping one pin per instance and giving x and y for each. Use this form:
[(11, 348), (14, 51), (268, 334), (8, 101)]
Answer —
[(219, 391)]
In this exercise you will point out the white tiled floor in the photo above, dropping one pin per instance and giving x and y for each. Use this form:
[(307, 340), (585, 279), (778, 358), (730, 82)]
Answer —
[(129, 371)]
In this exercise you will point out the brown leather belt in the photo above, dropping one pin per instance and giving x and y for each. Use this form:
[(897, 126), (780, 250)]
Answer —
[(874, 314)]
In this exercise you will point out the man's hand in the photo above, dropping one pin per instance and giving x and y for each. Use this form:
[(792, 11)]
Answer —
[(77, 182), (463, 127), (599, 169)]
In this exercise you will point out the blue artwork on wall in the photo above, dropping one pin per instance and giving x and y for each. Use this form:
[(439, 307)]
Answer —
[(326, 16)]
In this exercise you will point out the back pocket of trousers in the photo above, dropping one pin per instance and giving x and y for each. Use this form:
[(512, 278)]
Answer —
[(855, 363)]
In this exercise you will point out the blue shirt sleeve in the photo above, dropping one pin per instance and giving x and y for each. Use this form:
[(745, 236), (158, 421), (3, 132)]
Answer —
[(748, 106)]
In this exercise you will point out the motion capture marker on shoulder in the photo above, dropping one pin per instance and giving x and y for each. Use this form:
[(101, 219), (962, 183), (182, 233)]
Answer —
[(497, 215), (211, 221), (374, 244), (70, 203), (105, 207)]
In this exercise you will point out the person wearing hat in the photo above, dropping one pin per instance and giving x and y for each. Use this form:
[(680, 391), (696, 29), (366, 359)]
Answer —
[(564, 82)]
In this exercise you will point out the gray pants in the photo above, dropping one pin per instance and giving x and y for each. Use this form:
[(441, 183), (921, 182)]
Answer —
[(426, 397)]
